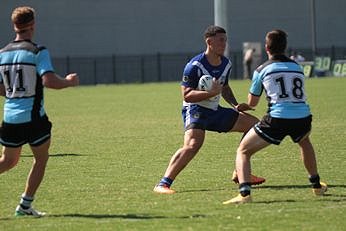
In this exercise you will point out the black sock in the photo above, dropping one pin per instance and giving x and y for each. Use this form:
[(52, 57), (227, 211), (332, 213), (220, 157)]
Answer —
[(245, 189), (315, 181)]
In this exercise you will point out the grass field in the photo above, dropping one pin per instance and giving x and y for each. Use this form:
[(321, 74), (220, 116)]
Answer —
[(111, 145)]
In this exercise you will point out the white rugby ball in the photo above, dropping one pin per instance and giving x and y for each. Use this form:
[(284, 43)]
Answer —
[(205, 83)]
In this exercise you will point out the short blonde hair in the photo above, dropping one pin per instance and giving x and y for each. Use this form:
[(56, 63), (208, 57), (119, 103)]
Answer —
[(23, 18)]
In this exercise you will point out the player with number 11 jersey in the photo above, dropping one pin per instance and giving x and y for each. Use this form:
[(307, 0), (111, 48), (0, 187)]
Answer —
[(22, 63)]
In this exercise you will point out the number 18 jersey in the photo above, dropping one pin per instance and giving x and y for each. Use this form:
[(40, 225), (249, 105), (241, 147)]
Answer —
[(22, 64), (282, 79)]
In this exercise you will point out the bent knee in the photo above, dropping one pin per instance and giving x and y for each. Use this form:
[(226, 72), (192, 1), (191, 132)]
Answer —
[(9, 163), (244, 151), (193, 148)]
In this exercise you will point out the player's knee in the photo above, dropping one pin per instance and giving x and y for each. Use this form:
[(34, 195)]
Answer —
[(244, 151), (193, 148), (8, 163)]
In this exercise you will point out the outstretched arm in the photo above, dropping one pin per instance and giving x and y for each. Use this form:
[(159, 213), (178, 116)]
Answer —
[(54, 81)]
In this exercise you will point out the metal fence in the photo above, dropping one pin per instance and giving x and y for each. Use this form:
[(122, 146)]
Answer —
[(153, 68)]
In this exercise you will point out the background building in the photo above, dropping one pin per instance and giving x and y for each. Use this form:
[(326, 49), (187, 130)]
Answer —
[(135, 41)]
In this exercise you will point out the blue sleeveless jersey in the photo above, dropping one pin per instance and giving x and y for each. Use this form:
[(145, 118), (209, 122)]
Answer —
[(22, 64), (282, 79), (199, 66)]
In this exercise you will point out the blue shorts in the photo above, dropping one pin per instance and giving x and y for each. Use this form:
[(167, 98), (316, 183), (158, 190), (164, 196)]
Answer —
[(35, 133), (221, 120)]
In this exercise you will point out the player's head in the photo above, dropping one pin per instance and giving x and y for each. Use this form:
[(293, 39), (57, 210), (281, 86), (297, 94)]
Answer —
[(216, 39), (23, 19), (276, 42)]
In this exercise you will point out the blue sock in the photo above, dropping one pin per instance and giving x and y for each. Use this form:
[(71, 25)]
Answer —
[(165, 181)]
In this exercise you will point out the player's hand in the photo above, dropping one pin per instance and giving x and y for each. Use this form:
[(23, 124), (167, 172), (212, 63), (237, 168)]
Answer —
[(244, 107), (73, 79), (216, 87)]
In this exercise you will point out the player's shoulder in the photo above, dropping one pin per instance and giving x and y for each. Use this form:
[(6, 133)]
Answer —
[(27, 45), (194, 61), (275, 62), (197, 58)]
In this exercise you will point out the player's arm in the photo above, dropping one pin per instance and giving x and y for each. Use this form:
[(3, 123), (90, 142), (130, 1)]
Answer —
[(54, 81), (252, 100), (228, 95), (192, 95), (254, 93)]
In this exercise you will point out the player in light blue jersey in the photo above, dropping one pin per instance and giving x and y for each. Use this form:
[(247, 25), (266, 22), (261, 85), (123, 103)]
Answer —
[(288, 114), (201, 110), (25, 69)]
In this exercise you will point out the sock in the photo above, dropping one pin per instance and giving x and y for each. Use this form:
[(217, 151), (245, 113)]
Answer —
[(165, 181), (245, 189), (315, 181), (25, 201)]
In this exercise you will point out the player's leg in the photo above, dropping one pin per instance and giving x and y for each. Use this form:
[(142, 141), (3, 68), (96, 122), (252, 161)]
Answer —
[(34, 180), (12, 139), (309, 160), (243, 124), (38, 168), (248, 146), (9, 158), (308, 156), (39, 132), (193, 141)]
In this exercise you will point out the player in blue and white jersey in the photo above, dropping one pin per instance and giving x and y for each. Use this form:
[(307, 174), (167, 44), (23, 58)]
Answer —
[(25, 69), (282, 80), (201, 110)]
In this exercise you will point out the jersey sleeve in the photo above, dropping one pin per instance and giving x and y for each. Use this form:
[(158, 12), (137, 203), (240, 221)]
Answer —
[(256, 85), (190, 76), (43, 62)]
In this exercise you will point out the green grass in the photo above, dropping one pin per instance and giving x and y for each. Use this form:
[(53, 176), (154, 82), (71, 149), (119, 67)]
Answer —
[(111, 145)]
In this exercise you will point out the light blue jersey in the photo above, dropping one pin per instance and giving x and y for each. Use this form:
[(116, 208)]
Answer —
[(22, 64), (283, 82)]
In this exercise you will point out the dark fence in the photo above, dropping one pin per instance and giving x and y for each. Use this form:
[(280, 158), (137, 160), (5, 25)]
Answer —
[(154, 68)]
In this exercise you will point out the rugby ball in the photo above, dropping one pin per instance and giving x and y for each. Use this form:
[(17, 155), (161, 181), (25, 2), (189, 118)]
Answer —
[(205, 83)]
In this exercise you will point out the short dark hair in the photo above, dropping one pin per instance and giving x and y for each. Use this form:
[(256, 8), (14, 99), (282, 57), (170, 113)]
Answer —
[(213, 30), (276, 41)]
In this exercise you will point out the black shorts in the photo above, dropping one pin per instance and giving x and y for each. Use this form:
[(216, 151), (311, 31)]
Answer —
[(274, 130), (35, 133)]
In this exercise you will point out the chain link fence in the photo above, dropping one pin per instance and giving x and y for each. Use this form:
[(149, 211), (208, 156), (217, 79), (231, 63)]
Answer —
[(154, 68)]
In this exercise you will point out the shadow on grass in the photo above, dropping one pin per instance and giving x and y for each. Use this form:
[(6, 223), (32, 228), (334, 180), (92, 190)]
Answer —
[(202, 190), (280, 187), (127, 216), (56, 155), (113, 216), (108, 216), (274, 201)]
